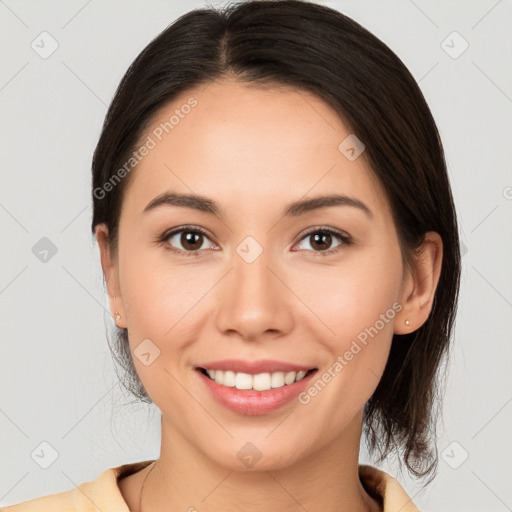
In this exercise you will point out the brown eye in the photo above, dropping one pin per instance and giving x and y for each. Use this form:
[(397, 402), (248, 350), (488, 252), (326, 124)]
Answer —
[(191, 240), (322, 240), (186, 241)]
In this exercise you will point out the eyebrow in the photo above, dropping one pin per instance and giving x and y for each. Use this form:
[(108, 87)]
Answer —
[(300, 207)]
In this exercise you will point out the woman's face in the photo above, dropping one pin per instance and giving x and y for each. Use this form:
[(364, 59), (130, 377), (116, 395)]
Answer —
[(261, 284)]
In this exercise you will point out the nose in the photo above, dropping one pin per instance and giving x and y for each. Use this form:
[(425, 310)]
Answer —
[(254, 299)]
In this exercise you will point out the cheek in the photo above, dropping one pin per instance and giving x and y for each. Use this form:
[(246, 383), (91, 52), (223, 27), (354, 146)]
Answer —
[(158, 300), (354, 313), (160, 306), (158, 290), (346, 301)]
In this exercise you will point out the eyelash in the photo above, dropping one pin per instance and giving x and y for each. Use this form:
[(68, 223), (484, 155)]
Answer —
[(347, 240)]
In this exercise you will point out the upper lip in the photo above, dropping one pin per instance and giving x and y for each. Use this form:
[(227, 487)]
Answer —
[(254, 367)]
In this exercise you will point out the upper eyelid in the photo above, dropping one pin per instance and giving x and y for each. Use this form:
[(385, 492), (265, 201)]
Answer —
[(335, 231)]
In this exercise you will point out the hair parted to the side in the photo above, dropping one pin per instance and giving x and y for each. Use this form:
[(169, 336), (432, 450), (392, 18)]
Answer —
[(314, 48)]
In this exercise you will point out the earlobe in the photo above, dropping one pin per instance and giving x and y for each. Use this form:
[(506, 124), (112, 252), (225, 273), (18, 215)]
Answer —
[(110, 274), (418, 293)]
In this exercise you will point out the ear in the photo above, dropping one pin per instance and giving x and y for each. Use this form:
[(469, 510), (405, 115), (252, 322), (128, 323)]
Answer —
[(420, 284), (110, 274)]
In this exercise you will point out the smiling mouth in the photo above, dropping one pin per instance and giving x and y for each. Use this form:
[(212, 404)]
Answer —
[(258, 382)]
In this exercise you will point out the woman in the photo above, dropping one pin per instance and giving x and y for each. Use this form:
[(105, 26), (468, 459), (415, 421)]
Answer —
[(280, 248)]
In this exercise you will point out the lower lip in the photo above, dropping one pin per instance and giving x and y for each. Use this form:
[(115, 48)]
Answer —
[(251, 402)]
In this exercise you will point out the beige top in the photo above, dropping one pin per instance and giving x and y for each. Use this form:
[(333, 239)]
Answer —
[(103, 494)]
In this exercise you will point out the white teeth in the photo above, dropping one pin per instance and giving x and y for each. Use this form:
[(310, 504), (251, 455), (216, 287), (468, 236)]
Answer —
[(289, 378), (300, 375), (277, 379), (229, 379), (259, 382), (242, 380), (219, 376)]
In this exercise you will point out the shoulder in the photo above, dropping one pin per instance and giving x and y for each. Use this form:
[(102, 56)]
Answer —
[(100, 494), (386, 489), (103, 493), (59, 502)]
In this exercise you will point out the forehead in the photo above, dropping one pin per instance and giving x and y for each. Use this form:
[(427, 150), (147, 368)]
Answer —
[(235, 141)]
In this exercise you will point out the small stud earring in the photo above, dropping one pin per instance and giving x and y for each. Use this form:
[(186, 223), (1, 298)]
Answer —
[(117, 316), (407, 322)]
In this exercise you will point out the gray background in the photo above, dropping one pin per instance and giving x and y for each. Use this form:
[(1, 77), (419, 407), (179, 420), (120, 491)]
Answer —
[(56, 375)]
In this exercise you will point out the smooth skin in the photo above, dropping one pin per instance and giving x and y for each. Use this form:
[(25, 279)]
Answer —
[(254, 150)]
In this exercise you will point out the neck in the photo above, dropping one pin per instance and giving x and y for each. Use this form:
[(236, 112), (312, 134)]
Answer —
[(185, 479)]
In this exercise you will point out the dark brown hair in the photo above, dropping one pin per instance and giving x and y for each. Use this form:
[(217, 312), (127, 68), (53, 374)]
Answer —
[(313, 48)]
